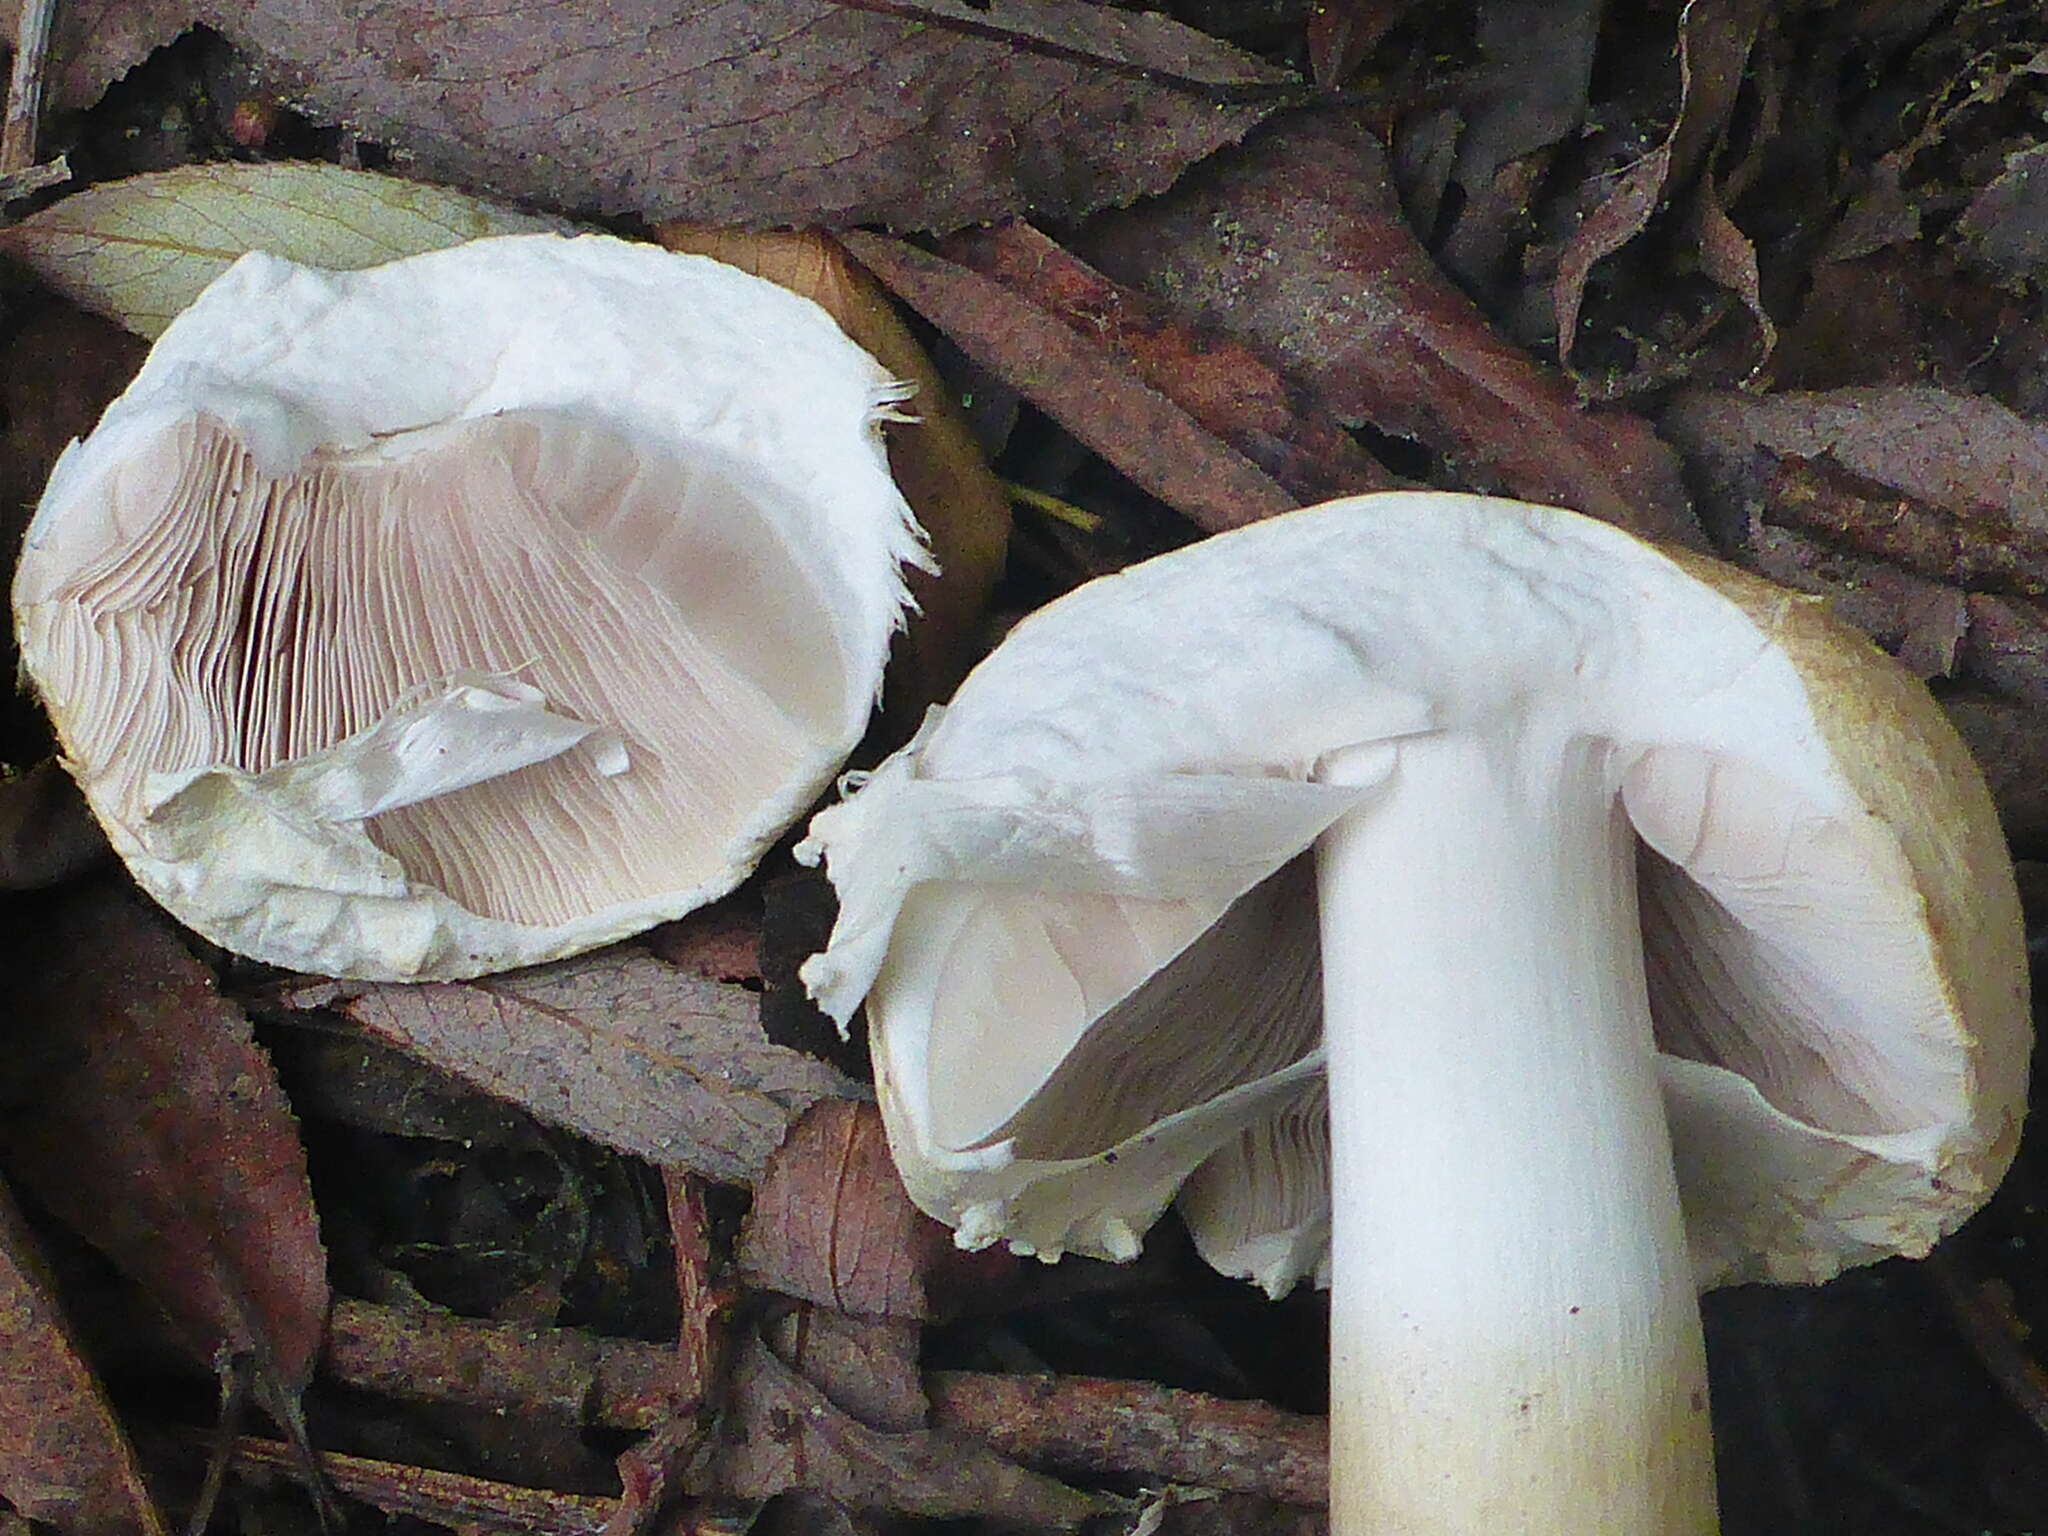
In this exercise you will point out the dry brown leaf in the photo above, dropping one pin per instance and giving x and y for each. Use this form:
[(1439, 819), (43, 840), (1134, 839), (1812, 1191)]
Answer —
[(94, 44), (866, 1365), (831, 1223), (1093, 394), (1531, 88), (1714, 41), (938, 465), (775, 112), (615, 1045), (64, 1461), (1223, 383), (2005, 228), (1342, 32), (783, 1432), (144, 1116), (1944, 484), (1296, 244)]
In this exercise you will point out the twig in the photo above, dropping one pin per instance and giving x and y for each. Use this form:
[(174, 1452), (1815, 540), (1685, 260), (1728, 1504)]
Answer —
[(15, 184), (444, 1498), (1078, 1423), (25, 88), (1085, 1424)]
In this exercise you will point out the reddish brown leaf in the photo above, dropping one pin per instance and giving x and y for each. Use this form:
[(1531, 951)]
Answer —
[(1295, 243), (1223, 383), (144, 1115), (1342, 32), (63, 1459), (721, 942), (1087, 389), (831, 1223), (772, 112), (616, 1045)]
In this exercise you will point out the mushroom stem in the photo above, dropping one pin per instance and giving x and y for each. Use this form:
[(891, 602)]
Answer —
[(1515, 1331)]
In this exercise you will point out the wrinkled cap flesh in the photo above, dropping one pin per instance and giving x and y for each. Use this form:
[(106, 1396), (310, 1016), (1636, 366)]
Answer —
[(468, 611), (1082, 913)]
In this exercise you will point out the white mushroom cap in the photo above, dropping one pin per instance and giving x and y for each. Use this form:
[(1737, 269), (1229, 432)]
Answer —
[(472, 610), (1077, 908)]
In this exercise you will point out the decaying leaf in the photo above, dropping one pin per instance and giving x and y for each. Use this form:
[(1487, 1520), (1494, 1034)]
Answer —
[(867, 1365), (1093, 394), (775, 112), (140, 249), (91, 46), (64, 1461), (1714, 42), (1296, 243), (616, 1045), (831, 1223), (1222, 382), (933, 455), (141, 1112), (1342, 32), (2005, 228), (721, 942), (784, 1432), (1945, 484)]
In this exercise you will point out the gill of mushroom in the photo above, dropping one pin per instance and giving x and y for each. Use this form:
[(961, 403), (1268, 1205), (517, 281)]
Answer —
[(1658, 932), (471, 610)]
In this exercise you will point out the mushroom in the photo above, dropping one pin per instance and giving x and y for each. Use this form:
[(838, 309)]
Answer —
[(471, 610), (1646, 927)]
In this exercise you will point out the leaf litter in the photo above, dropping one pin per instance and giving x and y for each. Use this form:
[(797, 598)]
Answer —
[(615, 1045), (772, 113), (1275, 315)]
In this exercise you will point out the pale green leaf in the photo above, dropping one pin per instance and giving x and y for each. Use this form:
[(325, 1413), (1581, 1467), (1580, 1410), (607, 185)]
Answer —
[(140, 249)]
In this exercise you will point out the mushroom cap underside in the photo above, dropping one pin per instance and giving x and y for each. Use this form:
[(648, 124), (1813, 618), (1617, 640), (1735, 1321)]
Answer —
[(1103, 838), (468, 611)]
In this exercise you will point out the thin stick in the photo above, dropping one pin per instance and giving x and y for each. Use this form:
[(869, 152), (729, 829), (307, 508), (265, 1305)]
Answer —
[(25, 89), (445, 1498), (1076, 1423)]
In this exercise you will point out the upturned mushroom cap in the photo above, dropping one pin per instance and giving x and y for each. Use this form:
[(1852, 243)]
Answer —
[(468, 611), (1077, 908)]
